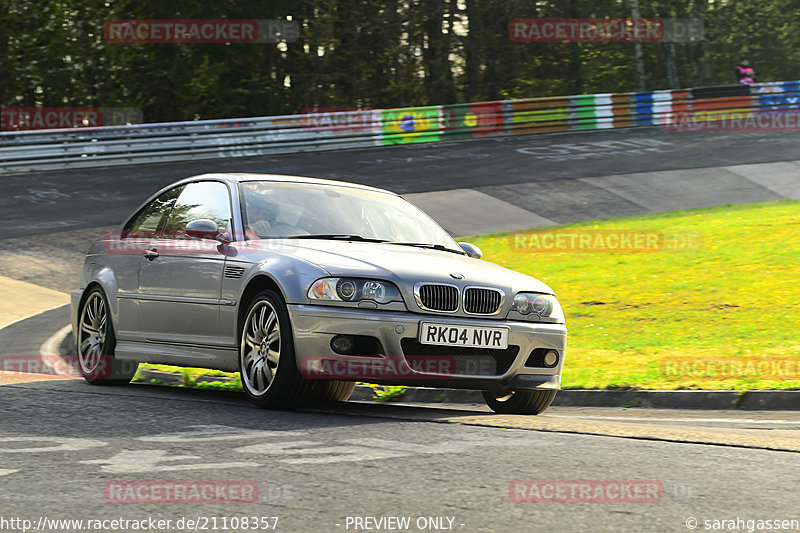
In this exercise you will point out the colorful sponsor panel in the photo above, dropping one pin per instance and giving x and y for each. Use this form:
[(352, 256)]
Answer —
[(411, 124), (681, 102), (662, 106), (472, 120), (455, 121), (764, 106), (592, 111), (643, 108), (539, 115), (778, 95), (736, 103), (722, 103), (721, 109), (603, 111), (582, 112), (485, 118), (652, 108), (621, 107)]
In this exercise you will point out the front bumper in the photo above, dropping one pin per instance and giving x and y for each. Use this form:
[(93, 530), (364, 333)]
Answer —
[(315, 326)]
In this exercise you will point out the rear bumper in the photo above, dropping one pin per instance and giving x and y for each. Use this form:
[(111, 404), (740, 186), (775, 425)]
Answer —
[(315, 327)]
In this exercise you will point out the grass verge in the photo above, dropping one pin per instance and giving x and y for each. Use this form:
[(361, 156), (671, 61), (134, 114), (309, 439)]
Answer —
[(724, 314)]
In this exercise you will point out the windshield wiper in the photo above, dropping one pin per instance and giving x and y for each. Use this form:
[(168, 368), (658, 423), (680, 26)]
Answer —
[(427, 246), (336, 237), (359, 238)]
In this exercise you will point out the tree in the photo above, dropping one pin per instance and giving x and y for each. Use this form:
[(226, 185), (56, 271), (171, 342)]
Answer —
[(369, 53)]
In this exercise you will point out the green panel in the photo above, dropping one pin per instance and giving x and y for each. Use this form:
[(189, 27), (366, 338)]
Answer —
[(410, 125)]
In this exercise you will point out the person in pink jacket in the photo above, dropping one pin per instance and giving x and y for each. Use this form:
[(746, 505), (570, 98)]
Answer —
[(744, 74)]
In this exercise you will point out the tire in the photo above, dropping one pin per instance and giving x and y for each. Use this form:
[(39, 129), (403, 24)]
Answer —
[(520, 402), (332, 391), (96, 342), (267, 364)]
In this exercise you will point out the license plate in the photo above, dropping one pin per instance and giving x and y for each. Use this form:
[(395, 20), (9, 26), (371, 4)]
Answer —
[(466, 336)]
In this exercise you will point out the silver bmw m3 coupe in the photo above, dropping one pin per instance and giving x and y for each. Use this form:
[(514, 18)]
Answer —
[(306, 286)]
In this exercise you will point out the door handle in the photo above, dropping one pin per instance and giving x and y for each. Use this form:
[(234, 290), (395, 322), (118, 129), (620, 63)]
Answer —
[(151, 254)]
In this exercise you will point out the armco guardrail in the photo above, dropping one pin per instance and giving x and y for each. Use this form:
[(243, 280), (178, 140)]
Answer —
[(182, 141)]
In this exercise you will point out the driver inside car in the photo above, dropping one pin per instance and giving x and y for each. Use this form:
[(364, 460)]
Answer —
[(262, 215)]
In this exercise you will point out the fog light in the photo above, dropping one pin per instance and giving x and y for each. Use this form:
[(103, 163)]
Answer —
[(342, 345), (550, 358)]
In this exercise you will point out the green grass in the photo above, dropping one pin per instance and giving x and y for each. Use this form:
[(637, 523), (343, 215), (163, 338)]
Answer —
[(733, 300), (230, 381), (387, 393)]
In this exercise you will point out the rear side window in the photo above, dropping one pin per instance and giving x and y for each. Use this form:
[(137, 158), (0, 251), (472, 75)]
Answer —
[(151, 219), (202, 200)]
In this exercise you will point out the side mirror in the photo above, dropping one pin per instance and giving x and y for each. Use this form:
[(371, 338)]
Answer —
[(471, 250), (202, 229)]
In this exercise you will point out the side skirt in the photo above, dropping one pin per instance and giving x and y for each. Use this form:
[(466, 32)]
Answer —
[(217, 358)]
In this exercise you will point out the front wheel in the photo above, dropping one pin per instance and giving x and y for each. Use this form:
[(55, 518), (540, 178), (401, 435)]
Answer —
[(266, 355), (332, 391), (96, 343), (520, 402)]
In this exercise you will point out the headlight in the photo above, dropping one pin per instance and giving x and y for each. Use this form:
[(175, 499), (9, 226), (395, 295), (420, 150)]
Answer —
[(353, 290), (544, 305)]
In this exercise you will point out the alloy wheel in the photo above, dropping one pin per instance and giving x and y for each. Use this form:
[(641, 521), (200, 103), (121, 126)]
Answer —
[(92, 333), (261, 348)]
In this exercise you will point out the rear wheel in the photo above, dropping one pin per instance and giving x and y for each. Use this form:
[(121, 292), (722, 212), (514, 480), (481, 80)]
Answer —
[(96, 342), (266, 355), (520, 402)]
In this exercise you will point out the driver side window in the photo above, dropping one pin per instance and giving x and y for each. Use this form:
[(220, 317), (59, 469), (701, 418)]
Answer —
[(201, 200)]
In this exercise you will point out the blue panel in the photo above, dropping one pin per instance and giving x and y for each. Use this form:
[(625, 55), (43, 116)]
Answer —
[(779, 95)]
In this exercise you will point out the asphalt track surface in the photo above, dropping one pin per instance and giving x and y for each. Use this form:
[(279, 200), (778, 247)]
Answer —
[(46, 202), (62, 441)]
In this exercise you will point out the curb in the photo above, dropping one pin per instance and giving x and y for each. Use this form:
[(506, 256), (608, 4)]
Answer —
[(655, 399), (682, 399), (756, 400)]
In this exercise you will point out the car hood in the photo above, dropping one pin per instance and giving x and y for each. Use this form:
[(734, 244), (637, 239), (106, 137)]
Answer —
[(401, 264)]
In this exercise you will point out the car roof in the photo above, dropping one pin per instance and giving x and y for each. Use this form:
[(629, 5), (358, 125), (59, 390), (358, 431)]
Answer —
[(245, 177)]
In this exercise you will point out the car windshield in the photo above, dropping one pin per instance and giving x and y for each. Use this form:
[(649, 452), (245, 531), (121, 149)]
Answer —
[(301, 210)]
